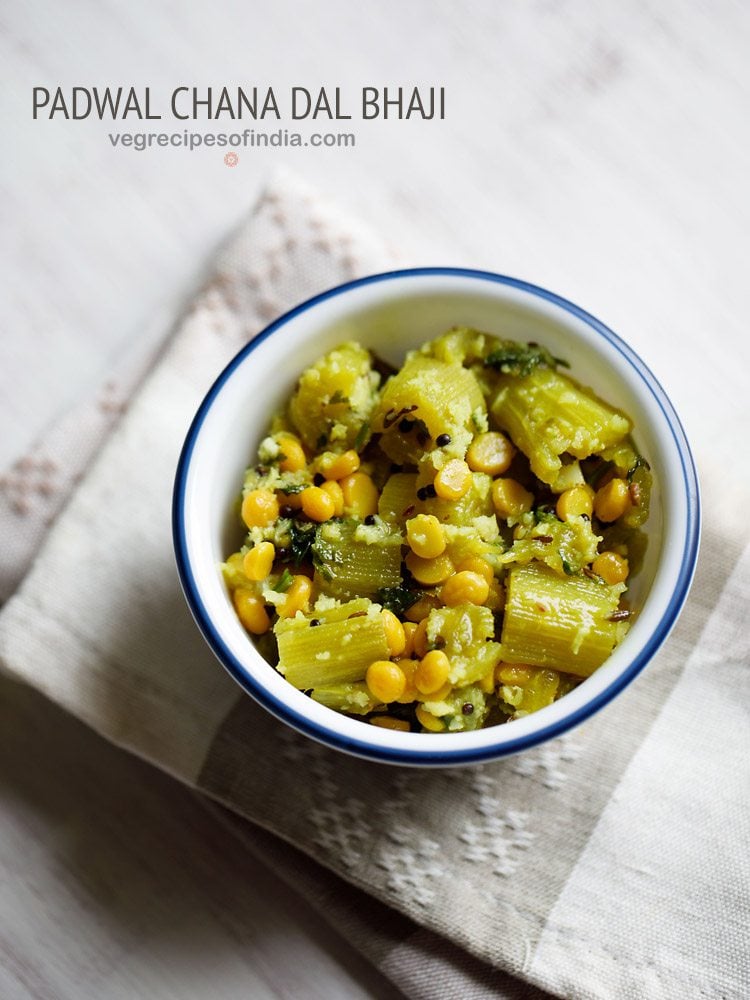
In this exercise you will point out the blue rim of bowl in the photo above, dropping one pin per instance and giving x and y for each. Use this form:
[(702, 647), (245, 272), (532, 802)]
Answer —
[(426, 757)]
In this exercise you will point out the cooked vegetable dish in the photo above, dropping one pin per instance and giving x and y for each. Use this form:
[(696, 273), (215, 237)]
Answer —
[(446, 546)]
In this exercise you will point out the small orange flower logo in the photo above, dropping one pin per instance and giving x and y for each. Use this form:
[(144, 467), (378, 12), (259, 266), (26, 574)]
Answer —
[(231, 159)]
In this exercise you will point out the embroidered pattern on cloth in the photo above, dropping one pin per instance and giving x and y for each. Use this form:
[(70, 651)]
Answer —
[(29, 479), (499, 834), (262, 292), (400, 839), (408, 856), (341, 831), (411, 862), (546, 762)]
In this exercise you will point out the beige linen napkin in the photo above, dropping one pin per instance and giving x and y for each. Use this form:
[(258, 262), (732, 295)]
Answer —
[(609, 863)]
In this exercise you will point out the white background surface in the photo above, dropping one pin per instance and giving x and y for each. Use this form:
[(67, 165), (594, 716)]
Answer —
[(601, 150)]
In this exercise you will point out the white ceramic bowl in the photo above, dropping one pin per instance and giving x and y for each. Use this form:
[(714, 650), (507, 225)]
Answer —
[(392, 313)]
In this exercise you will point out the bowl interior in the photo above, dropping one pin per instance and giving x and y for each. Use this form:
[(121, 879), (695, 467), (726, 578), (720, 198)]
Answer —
[(392, 315)]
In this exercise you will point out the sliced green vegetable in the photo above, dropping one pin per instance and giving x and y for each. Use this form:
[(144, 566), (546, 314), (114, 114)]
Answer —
[(527, 689), (464, 709), (336, 651), (442, 396), (641, 483), (564, 546), (465, 635), (354, 698), (348, 567), (547, 414), (397, 500), (559, 622), (334, 398)]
